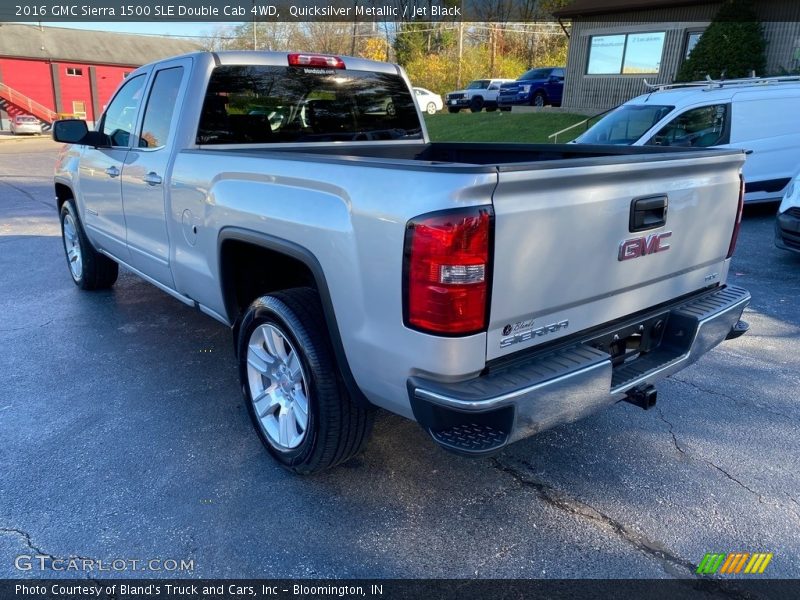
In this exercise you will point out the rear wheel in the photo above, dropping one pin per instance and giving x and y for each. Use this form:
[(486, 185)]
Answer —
[(298, 405), (89, 269), (431, 108)]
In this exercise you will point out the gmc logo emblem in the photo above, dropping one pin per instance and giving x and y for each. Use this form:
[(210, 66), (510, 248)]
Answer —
[(641, 246)]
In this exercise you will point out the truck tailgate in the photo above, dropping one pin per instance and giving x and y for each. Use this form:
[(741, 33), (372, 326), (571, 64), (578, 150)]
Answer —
[(567, 256)]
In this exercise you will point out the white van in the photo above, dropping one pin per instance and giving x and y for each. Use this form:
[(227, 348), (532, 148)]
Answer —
[(758, 114), (787, 226)]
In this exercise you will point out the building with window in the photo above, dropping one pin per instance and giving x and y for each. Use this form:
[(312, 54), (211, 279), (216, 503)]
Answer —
[(52, 71), (617, 44)]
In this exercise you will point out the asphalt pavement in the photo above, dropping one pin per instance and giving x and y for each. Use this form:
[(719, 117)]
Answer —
[(123, 435)]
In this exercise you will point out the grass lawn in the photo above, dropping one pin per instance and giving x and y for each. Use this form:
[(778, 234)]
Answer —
[(500, 126)]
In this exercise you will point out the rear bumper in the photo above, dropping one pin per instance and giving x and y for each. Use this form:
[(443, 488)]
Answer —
[(787, 230), (542, 390), (28, 129)]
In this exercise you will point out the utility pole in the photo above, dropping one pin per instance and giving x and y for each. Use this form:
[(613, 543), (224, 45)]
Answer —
[(255, 40), (460, 50), (355, 30)]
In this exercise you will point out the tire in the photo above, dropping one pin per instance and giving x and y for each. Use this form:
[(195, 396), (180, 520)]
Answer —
[(453, 110), (476, 104), (431, 108), (89, 269), (390, 109), (539, 99), (301, 386)]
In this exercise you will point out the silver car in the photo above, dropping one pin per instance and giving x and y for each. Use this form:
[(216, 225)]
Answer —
[(26, 124)]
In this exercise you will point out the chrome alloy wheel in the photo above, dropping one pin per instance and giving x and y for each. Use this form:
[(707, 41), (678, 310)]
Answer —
[(278, 387), (73, 247)]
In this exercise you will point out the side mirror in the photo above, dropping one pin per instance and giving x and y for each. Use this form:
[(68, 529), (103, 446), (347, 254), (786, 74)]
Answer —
[(76, 131), (70, 131)]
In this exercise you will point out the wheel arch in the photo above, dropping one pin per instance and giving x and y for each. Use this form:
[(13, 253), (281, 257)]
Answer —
[(285, 256), (63, 193)]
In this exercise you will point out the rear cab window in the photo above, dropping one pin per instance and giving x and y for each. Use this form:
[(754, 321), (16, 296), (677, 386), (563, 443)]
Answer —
[(261, 104)]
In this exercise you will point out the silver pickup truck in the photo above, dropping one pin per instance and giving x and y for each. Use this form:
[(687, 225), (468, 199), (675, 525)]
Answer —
[(487, 291)]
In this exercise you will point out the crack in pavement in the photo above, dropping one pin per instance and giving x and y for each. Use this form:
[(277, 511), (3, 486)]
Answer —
[(26, 538), (45, 324), (727, 397), (761, 498), (673, 565), (25, 192)]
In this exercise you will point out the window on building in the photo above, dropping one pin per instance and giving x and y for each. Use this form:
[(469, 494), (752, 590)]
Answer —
[(628, 54), (699, 128), (74, 71), (692, 38), (163, 95), (79, 109), (119, 119)]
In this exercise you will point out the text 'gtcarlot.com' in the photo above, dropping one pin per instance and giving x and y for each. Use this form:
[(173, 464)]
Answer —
[(40, 562)]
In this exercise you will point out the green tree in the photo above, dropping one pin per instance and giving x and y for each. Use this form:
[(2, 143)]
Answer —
[(733, 44)]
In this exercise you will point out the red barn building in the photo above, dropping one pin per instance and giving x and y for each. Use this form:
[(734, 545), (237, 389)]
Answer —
[(52, 71)]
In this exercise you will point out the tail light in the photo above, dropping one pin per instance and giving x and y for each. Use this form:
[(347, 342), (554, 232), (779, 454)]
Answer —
[(315, 60), (447, 271), (738, 223)]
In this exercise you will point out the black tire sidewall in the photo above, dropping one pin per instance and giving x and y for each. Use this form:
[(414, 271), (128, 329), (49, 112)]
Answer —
[(68, 208), (476, 105), (270, 311)]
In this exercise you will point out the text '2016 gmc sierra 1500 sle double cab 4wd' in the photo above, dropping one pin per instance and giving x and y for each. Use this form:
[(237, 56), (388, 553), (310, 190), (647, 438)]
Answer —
[(487, 291)]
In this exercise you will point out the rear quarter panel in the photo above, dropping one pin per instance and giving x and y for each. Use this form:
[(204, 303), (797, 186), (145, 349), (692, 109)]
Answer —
[(352, 219)]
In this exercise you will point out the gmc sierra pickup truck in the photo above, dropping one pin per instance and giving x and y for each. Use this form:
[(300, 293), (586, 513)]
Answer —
[(487, 291)]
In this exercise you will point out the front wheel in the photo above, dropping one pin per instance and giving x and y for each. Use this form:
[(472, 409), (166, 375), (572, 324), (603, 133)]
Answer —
[(89, 269), (298, 406), (539, 99), (476, 104)]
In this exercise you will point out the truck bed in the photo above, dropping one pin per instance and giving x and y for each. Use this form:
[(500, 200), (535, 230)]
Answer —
[(468, 156)]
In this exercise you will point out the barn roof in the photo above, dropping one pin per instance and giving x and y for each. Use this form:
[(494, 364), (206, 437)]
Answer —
[(84, 46)]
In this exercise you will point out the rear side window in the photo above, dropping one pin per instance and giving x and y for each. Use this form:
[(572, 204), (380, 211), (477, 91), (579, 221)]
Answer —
[(699, 128), (160, 108), (269, 104)]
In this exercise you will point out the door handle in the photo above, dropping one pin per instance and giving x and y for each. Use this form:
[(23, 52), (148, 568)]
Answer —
[(152, 178), (112, 172), (648, 213)]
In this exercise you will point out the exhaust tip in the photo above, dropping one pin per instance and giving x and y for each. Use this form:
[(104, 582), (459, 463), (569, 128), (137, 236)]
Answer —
[(644, 397)]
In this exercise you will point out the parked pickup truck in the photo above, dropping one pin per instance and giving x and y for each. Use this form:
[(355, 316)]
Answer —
[(487, 291)]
